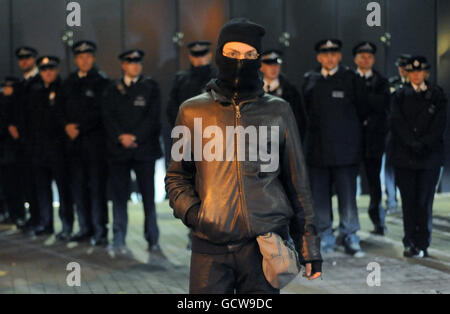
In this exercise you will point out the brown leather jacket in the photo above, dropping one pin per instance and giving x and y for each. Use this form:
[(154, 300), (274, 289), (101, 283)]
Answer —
[(232, 199)]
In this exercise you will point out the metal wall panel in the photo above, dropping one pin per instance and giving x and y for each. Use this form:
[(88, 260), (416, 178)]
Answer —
[(412, 24), (307, 22), (268, 13), (39, 24), (201, 20), (352, 28), (101, 22), (150, 25), (5, 49)]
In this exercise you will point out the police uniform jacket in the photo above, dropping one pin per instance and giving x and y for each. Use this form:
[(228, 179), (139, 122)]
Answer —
[(418, 124), (187, 84), (21, 117), (133, 110), (46, 132), (289, 92), (8, 146), (334, 129), (374, 109), (82, 105), (395, 83)]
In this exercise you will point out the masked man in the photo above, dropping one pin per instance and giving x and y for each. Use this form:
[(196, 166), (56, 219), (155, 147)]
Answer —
[(228, 201)]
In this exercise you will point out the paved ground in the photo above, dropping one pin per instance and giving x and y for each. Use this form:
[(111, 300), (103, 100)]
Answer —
[(39, 265)]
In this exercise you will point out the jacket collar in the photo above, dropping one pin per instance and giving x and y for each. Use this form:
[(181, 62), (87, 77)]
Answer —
[(270, 87), (128, 80), (90, 73), (221, 96), (30, 74), (325, 73), (366, 75)]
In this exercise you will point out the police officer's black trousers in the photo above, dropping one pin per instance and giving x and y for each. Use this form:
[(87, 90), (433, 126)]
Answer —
[(389, 175), (238, 272), (28, 189), (88, 187), (44, 175), (344, 179), (417, 189), (10, 182), (376, 211), (120, 183)]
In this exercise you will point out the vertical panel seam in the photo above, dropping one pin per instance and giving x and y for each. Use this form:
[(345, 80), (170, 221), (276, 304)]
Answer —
[(11, 41), (122, 25), (436, 52), (337, 28), (177, 29)]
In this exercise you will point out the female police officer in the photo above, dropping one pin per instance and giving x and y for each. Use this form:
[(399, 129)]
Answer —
[(418, 123)]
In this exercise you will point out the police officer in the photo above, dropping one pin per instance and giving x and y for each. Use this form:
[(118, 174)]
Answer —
[(333, 144), (19, 129), (13, 207), (375, 107), (418, 123), (81, 115), (131, 115), (395, 83), (47, 149), (191, 82), (275, 83), (399, 80)]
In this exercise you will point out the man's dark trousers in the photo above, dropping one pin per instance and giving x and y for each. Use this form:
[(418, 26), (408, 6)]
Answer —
[(88, 185), (10, 181), (120, 182), (376, 212), (238, 271), (44, 176), (28, 186), (344, 180), (417, 189)]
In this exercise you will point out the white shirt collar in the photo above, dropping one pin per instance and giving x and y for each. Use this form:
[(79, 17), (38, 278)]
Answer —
[(326, 73), (81, 74), (30, 74), (365, 75), (270, 87), (128, 80), (423, 87)]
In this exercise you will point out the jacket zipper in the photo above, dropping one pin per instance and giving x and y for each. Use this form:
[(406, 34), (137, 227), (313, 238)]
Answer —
[(236, 123)]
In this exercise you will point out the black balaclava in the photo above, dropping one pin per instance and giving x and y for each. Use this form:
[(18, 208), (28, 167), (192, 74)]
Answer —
[(239, 78)]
